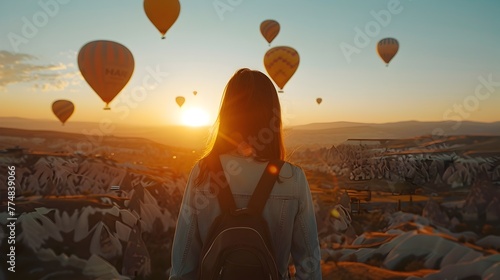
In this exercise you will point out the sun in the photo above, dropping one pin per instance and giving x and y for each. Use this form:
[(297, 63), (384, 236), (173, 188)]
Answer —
[(195, 117)]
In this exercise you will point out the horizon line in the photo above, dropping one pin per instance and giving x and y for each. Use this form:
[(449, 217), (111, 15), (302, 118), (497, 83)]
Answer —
[(284, 126)]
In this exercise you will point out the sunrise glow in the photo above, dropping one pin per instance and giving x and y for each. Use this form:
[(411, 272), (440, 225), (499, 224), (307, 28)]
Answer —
[(195, 117)]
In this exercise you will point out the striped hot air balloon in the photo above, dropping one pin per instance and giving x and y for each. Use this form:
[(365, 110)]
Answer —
[(281, 63), (63, 109), (162, 13), (387, 49), (269, 29), (107, 67)]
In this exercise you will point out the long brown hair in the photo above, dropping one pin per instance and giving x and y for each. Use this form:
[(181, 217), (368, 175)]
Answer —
[(249, 121)]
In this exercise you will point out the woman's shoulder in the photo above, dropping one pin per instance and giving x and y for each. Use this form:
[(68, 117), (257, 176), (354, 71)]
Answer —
[(292, 171), (233, 163), (292, 165)]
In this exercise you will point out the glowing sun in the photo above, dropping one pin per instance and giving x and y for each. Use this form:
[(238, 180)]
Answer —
[(195, 117)]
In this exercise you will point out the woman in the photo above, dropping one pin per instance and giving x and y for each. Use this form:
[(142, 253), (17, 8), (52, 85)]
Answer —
[(248, 136)]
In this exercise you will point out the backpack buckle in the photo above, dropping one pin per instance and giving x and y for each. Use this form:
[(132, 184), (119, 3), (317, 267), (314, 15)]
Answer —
[(240, 211)]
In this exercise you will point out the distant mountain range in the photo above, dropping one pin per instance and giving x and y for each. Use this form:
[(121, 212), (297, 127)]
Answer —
[(309, 135), (327, 134), (178, 136)]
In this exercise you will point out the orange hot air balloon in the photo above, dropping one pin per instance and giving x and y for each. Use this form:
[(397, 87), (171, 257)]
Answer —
[(107, 67), (281, 63), (319, 100), (162, 13), (180, 100), (195, 93), (269, 29), (63, 109), (387, 49)]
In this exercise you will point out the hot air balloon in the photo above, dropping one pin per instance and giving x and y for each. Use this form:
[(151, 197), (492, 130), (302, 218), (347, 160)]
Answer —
[(107, 67), (281, 63), (162, 13), (269, 29), (387, 49), (63, 109), (319, 100), (195, 93), (180, 100)]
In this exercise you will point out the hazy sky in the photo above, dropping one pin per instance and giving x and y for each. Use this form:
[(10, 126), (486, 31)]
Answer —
[(447, 67)]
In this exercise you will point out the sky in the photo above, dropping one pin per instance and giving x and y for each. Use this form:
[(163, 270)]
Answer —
[(447, 66)]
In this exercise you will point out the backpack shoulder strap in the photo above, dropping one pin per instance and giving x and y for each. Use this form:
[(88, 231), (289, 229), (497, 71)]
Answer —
[(265, 186), (219, 182)]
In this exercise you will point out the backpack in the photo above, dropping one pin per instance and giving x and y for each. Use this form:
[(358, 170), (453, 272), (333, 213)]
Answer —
[(238, 244)]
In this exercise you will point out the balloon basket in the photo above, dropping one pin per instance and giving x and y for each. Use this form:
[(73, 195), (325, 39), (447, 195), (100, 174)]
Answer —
[(106, 108), (281, 91)]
